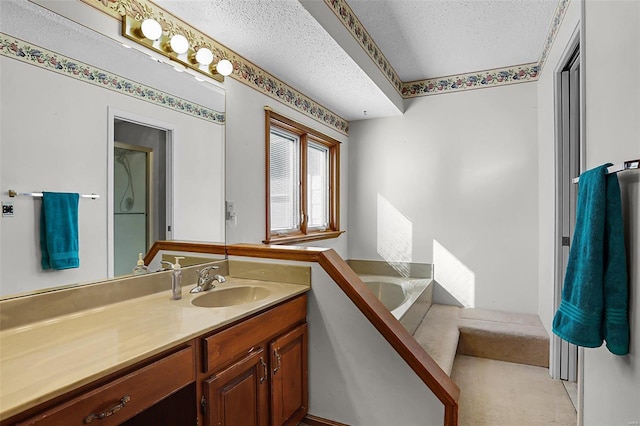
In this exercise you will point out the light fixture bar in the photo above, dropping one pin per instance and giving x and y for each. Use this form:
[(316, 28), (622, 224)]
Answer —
[(132, 30)]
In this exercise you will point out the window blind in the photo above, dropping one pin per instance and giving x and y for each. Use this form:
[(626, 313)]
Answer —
[(317, 186), (284, 172)]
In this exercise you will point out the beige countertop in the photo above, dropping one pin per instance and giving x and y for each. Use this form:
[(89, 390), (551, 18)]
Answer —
[(48, 358)]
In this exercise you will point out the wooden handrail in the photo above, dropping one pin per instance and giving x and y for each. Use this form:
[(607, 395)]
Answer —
[(442, 386), (190, 246)]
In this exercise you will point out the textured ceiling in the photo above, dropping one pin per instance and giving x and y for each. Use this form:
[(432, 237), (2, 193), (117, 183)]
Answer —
[(436, 38), (282, 38), (420, 38)]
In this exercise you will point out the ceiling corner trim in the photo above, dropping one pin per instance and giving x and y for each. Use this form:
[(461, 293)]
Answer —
[(351, 22), (558, 16), (243, 70), (14, 48)]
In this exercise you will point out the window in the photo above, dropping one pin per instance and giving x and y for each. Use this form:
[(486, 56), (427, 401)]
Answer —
[(302, 182)]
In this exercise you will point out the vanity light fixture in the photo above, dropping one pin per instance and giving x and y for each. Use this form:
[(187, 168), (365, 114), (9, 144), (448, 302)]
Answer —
[(176, 48), (224, 67), (204, 56), (179, 44), (151, 29)]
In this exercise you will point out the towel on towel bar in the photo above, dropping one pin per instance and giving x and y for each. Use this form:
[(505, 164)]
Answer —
[(595, 296), (59, 230)]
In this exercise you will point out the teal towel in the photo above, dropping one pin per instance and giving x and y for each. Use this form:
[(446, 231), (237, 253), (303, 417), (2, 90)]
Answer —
[(59, 230), (594, 296), (615, 327)]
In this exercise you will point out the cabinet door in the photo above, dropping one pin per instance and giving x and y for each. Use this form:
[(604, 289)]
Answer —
[(289, 392), (238, 395)]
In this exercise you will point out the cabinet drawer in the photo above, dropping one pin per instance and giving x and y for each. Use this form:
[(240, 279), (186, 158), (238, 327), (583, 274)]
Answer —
[(223, 347), (123, 398)]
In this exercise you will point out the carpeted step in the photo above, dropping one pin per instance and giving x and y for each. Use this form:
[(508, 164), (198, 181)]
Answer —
[(499, 393), (504, 336), (438, 334)]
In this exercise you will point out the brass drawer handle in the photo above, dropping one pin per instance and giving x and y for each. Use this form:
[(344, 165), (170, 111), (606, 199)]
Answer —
[(109, 412), (275, 352), (264, 367)]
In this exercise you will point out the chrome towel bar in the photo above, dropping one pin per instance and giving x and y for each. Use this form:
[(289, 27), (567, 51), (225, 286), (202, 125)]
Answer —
[(13, 193), (620, 167)]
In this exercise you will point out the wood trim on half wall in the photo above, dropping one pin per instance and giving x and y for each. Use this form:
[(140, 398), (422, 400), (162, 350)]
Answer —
[(442, 386), (191, 246)]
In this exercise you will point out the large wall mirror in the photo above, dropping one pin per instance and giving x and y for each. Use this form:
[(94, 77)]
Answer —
[(82, 113)]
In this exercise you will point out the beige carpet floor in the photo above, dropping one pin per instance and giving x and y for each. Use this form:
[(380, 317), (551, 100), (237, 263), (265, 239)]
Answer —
[(499, 393)]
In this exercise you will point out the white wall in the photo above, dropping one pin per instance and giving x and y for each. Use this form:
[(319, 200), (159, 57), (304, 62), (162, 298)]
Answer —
[(457, 172), (245, 167), (359, 381), (612, 54)]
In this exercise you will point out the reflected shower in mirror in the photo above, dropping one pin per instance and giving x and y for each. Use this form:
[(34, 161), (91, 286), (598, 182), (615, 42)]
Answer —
[(140, 189)]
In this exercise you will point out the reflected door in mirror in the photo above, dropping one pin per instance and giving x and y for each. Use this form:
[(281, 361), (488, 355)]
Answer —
[(139, 191)]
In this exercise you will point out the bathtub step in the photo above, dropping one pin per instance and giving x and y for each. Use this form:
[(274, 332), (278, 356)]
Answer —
[(503, 336), (438, 334)]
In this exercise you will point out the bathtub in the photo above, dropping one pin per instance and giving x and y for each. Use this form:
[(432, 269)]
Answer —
[(408, 299)]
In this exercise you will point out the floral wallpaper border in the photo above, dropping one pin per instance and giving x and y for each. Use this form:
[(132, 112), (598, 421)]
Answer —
[(553, 31), (253, 76), (477, 80), (33, 55), (351, 22), (243, 70)]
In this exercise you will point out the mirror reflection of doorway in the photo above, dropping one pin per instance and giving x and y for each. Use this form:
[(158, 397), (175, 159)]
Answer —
[(139, 192), (132, 197)]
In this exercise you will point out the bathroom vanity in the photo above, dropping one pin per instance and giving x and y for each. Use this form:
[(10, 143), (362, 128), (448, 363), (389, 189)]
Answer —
[(151, 360)]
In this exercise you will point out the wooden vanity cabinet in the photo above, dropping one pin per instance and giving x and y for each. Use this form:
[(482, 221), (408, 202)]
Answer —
[(255, 372), (251, 373)]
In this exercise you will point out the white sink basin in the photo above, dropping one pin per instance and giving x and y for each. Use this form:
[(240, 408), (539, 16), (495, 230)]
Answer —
[(232, 296)]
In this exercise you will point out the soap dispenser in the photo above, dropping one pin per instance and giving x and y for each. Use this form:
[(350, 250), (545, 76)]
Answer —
[(140, 268), (176, 279)]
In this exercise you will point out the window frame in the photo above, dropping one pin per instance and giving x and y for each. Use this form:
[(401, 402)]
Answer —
[(305, 135)]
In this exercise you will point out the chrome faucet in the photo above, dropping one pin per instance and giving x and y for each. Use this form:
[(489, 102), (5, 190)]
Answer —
[(206, 279), (162, 268)]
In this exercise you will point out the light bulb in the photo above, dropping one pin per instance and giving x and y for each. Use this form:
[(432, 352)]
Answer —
[(204, 56), (224, 67), (179, 44), (151, 29)]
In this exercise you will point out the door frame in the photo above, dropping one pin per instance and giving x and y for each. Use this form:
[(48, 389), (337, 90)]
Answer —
[(576, 43)]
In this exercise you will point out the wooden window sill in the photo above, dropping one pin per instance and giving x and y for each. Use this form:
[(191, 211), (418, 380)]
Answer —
[(300, 238)]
